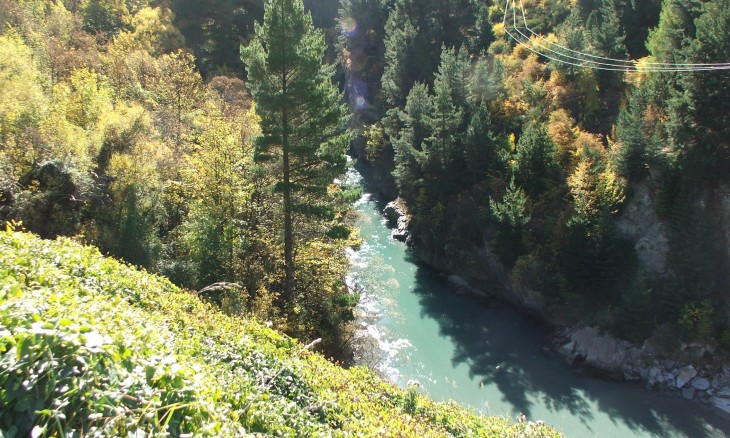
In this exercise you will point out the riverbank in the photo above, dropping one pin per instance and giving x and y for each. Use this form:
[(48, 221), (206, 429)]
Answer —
[(693, 372), (419, 326)]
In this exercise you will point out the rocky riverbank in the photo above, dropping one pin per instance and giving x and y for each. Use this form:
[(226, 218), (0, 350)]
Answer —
[(691, 372)]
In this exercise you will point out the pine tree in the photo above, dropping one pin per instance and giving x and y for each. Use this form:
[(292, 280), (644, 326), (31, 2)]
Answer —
[(708, 97), (675, 30), (483, 34), (536, 159), (301, 114), (408, 50), (408, 144), (631, 158), (449, 103), (511, 219), (480, 145)]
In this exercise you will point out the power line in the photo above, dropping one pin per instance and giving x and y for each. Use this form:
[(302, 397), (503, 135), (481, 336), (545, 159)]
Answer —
[(587, 60)]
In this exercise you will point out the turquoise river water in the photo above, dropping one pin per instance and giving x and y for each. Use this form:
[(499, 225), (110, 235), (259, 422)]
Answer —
[(413, 326)]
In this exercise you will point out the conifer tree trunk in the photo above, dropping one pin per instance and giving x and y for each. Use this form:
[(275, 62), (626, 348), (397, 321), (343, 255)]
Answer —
[(288, 232)]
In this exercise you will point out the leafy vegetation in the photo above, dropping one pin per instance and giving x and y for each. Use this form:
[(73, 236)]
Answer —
[(109, 132), (90, 346)]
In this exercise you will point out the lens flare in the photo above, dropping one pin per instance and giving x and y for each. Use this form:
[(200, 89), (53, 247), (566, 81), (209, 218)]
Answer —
[(348, 26)]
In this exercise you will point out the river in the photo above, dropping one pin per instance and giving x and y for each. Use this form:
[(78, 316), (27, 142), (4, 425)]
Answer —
[(415, 327)]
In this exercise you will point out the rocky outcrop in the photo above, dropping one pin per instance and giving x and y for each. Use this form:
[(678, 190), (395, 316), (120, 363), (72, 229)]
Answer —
[(398, 218), (613, 357), (585, 346), (640, 223)]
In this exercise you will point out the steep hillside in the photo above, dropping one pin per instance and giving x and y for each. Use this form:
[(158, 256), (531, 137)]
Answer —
[(90, 346)]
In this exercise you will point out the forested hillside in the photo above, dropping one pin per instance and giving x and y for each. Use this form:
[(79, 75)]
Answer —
[(110, 133), (591, 192)]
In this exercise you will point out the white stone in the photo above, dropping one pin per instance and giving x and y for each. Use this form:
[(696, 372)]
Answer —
[(685, 375), (700, 384)]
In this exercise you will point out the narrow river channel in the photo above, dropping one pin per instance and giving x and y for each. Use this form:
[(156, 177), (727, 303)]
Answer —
[(489, 358)]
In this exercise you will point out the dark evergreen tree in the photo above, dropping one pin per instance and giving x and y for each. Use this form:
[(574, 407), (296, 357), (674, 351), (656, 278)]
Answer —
[(536, 162), (483, 34), (606, 33), (631, 158), (409, 48), (706, 129), (408, 145), (510, 220), (480, 146), (301, 114)]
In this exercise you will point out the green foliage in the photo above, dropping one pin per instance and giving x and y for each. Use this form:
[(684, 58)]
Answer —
[(696, 321), (605, 31), (215, 29), (511, 219), (636, 313), (104, 18), (89, 346), (631, 158), (408, 146), (536, 161)]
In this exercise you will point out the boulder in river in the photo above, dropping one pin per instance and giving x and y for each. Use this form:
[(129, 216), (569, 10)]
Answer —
[(397, 216), (685, 374), (688, 393), (700, 384), (603, 353)]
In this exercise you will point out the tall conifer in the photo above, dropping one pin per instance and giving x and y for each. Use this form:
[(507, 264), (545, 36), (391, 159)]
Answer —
[(301, 112)]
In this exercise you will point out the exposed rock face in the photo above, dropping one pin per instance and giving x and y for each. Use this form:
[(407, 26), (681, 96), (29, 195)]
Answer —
[(640, 223), (478, 266), (617, 358)]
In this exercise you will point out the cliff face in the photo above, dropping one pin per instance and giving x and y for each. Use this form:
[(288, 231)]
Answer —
[(640, 223), (480, 268)]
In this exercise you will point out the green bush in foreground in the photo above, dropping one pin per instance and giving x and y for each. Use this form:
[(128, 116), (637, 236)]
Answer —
[(92, 347)]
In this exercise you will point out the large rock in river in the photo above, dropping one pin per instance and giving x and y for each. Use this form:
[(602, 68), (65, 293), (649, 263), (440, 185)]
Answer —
[(685, 374), (605, 353)]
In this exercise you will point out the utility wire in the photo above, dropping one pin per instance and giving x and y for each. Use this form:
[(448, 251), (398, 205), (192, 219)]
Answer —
[(587, 60)]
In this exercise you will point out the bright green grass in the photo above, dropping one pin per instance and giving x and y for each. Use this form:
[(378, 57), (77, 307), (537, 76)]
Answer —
[(90, 347)]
